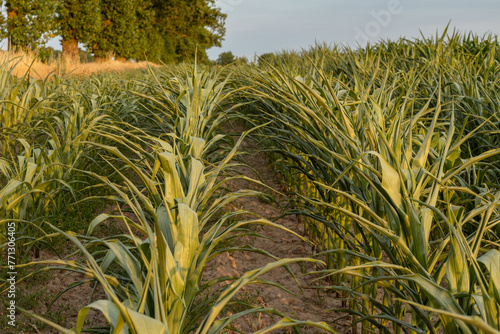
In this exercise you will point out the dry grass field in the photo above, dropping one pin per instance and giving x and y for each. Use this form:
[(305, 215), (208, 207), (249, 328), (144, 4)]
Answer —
[(40, 70)]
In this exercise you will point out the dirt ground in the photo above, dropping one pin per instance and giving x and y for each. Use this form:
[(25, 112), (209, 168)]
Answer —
[(311, 304)]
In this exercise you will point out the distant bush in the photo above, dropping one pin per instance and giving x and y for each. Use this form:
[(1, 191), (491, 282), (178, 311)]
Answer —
[(48, 54), (226, 58)]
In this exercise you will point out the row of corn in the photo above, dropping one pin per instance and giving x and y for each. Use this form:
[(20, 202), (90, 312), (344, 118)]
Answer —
[(390, 153)]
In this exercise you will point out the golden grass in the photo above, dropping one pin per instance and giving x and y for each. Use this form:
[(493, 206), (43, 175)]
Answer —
[(25, 62)]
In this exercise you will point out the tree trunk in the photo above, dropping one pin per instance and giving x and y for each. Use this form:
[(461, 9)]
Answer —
[(70, 50)]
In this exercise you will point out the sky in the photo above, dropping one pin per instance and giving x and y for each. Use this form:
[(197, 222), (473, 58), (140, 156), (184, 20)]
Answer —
[(260, 26)]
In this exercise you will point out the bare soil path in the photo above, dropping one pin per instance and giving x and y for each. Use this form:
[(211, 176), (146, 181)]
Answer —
[(312, 304)]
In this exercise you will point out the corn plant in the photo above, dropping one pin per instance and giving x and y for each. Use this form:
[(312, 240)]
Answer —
[(172, 199), (374, 159)]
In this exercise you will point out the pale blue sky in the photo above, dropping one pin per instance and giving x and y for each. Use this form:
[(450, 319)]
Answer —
[(259, 26)]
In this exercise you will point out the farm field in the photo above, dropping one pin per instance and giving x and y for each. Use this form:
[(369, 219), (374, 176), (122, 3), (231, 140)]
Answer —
[(331, 190)]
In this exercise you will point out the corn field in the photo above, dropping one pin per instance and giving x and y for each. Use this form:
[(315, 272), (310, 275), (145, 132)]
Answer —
[(389, 154)]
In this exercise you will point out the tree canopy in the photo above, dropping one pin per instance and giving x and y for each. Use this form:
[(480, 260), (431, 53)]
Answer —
[(226, 58), (158, 30), (29, 23), (189, 25), (79, 21)]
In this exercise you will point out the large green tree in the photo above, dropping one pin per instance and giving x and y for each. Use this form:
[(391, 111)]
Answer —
[(151, 42), (30, 23), (79, 21), (120, 31), (159, 30), (188, 27)]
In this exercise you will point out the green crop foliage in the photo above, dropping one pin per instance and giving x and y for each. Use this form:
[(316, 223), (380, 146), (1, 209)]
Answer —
[(388, 153), (153, 147), (391, 155)]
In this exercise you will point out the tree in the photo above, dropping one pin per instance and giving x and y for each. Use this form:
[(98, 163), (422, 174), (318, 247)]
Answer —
[(150, 40), (166, 30), (120, 31), (79, 21), (30, 23), (226, 58), (48, 54), (188, 27)]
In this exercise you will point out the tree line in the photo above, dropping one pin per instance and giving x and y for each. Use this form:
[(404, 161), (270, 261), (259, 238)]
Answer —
[(157, 30)]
